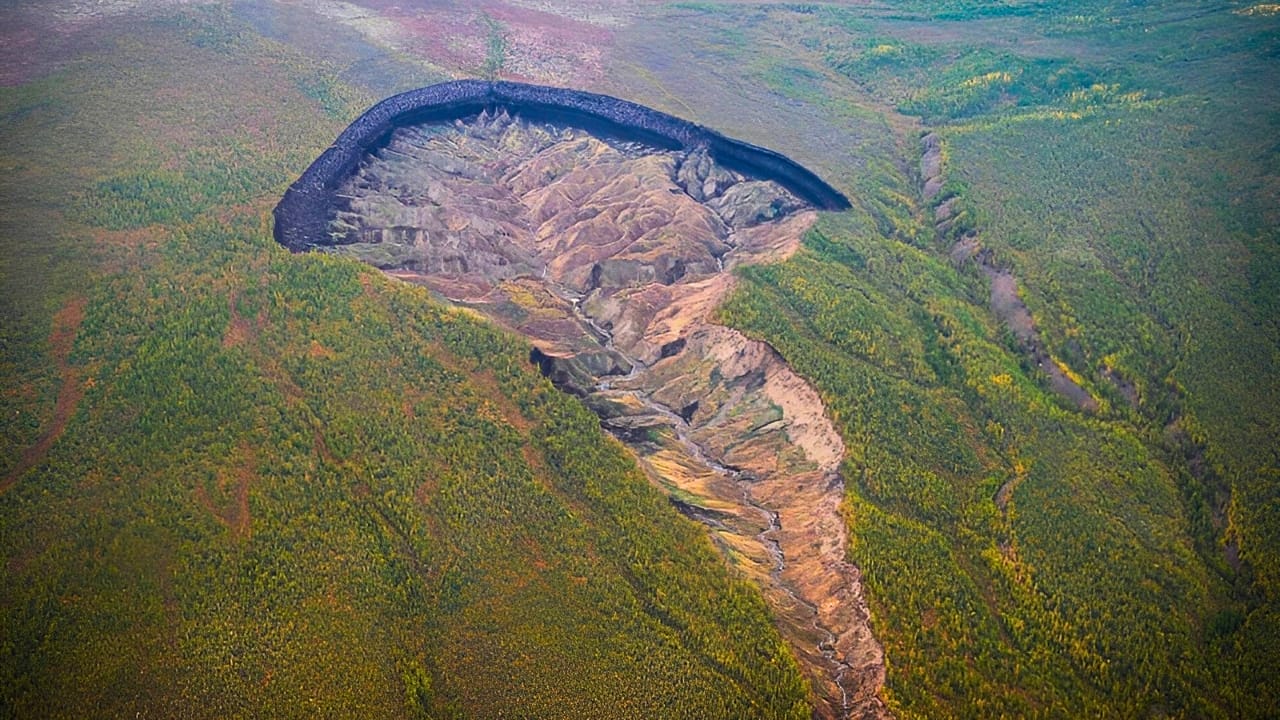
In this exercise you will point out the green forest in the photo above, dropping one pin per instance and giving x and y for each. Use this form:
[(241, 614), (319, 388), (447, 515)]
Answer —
[(1028, 559), (236, 482)]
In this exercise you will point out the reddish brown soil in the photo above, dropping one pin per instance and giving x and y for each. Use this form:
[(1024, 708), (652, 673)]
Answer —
[(238, 329), (322, 448), (233, 512), (66, 324), (241, 329), (540, 46)]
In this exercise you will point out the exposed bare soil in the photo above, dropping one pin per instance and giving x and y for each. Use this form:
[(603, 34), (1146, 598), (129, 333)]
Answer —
[(611, 257), (228, 501), (562, 44)]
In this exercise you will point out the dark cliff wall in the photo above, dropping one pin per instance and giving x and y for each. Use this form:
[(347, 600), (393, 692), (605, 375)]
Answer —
[(301, 218)]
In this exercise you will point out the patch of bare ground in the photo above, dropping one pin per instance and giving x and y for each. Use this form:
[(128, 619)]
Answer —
[(228, 501), (62, 336), (238, 329), (119, 251), (561, 44), (322, 450)]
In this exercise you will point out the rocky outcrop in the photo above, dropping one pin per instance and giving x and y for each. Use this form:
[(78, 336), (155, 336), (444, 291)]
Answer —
[(610, 256), (301, 218)]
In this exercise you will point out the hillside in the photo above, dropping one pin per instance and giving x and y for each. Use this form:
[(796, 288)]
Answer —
[(241, 482), (1094, 536)]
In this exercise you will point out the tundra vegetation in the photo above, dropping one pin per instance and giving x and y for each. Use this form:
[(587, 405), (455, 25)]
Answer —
[(291, 486), (240, 482)]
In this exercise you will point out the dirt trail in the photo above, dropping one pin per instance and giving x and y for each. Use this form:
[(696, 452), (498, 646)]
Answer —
[(66, 325)]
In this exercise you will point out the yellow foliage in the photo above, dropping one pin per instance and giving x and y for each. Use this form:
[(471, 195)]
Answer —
[(520, 295), (995, 430), (989, 79), (1075, 376), (1260, 9)]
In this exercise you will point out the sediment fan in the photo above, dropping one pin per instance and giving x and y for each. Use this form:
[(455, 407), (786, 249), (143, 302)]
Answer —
[(301, 218)]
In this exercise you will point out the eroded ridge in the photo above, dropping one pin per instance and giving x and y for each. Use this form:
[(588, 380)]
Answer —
[(610, 256)]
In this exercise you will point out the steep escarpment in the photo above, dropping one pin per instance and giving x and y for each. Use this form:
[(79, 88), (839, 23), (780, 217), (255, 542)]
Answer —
[(299, 216), (610, 255)]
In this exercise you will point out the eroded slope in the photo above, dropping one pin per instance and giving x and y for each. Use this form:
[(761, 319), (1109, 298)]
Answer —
[(609, 257)]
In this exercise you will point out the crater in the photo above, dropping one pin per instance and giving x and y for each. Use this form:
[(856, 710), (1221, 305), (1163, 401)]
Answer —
[(606, 234)]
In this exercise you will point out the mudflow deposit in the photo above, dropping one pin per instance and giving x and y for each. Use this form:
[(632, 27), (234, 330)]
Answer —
[(610, 256)]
